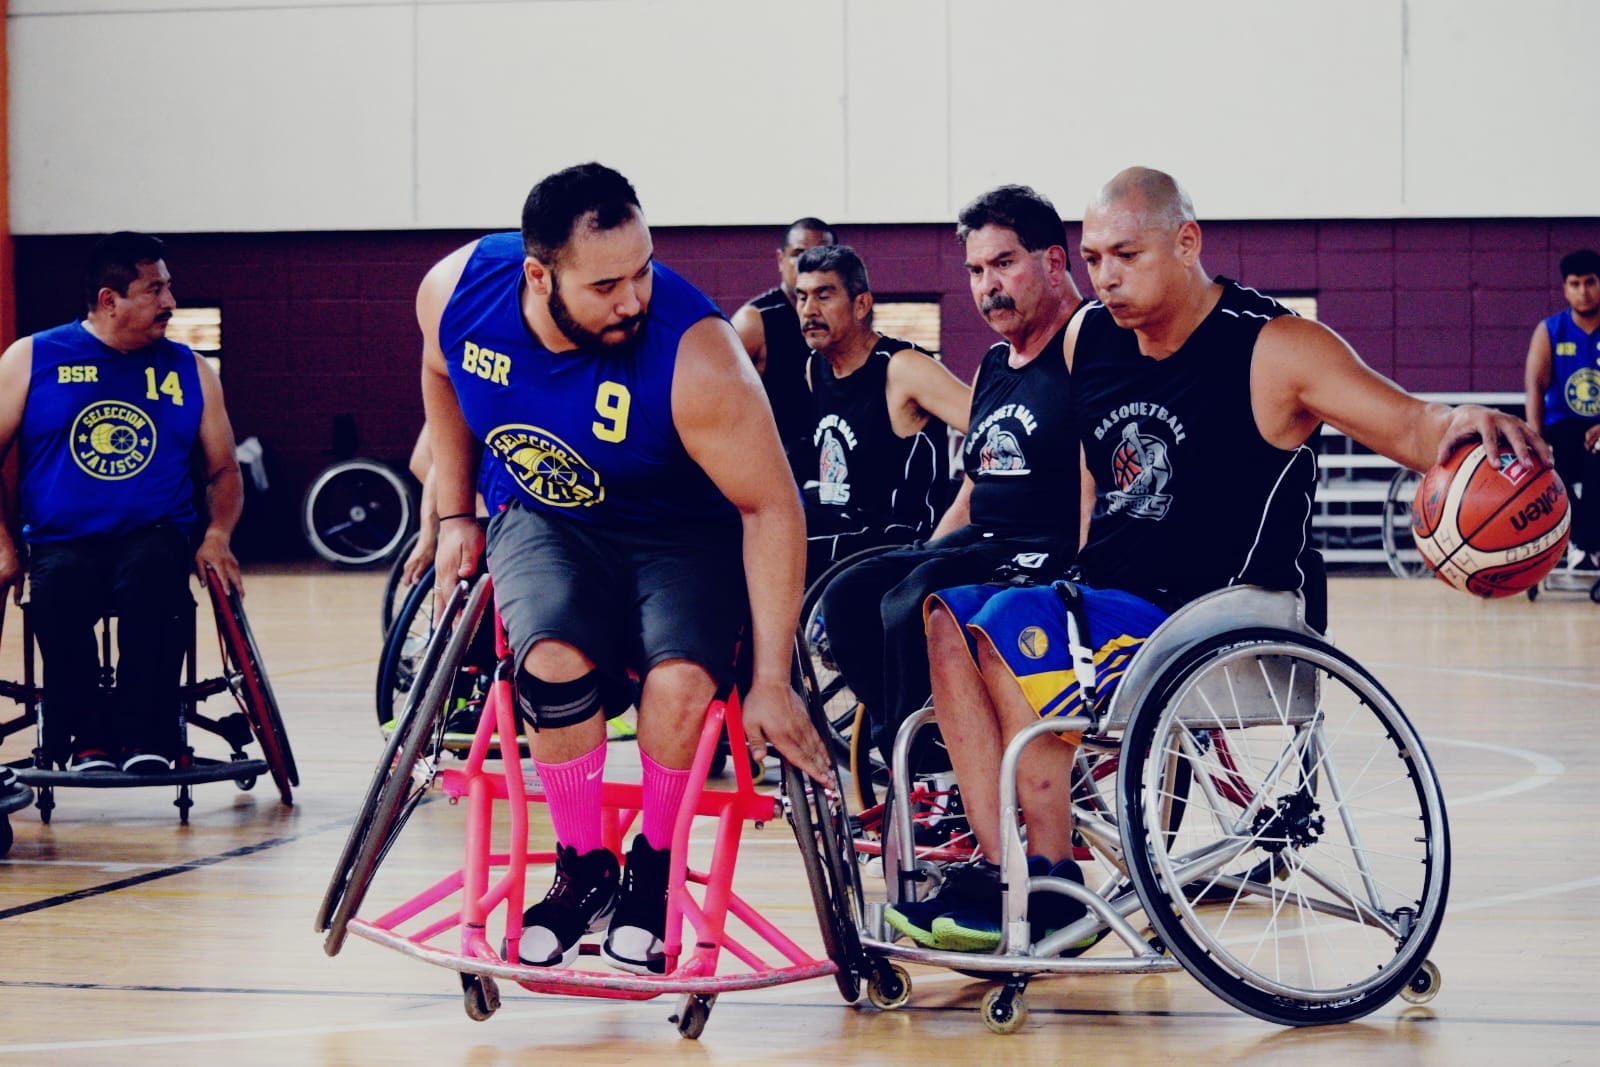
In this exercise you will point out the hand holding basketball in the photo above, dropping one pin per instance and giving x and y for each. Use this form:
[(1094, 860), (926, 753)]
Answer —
[(1489, 525)]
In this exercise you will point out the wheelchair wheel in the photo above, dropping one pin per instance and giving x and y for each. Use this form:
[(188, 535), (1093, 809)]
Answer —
[(404, 643), (406, 769), (1306, 880), (394, 594), (836, 699), (820, 826), (247, 678), (1399, 548), (357, 513)]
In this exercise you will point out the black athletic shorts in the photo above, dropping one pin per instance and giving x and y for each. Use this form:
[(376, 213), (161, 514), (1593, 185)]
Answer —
[(625, 599)]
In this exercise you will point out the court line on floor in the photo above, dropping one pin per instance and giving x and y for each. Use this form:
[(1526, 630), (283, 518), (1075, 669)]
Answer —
[(76, 895)]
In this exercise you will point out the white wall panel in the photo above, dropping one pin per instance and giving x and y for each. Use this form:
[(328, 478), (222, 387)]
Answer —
[(220, 120), (1500, 108), (896, 111), (1258, 114), (707, 132), (249, 115)]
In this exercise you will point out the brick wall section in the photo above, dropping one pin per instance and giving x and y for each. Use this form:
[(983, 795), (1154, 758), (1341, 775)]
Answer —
[(321, 325)]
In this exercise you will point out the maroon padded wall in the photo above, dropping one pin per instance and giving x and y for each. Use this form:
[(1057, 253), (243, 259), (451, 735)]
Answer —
[(316, 326)]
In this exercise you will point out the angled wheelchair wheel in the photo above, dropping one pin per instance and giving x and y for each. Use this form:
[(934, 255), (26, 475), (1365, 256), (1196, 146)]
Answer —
[(820, 825), (1306, 879), (357, 513), (835, 697), (1399, 547), (394, 594), (247, 678), (404, 643), (407, 767)]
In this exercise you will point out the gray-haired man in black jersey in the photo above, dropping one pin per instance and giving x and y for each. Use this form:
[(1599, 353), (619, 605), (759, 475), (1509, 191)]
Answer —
[(1221, 388)]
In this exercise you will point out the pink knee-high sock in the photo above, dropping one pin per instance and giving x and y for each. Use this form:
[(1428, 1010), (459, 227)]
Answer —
[(663, 795), (573, 792)]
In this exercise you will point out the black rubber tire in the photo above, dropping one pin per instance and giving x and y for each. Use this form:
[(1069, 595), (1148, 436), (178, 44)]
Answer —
[(393, 596), (357, 513), (394, 791), (397, 666), (247, 677)]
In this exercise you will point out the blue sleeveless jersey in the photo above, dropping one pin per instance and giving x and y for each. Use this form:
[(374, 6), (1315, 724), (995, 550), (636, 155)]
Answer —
[(581, 434), (1574, 390), (107, 437)]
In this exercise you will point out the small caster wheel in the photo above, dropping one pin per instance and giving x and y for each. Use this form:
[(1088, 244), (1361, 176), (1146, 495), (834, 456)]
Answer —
[(888, 987), (246, 784), (1424, 985), (480, 996), (1533, 591), (1004, 1010), (5, 835), (1594, 592), (693, 1011)]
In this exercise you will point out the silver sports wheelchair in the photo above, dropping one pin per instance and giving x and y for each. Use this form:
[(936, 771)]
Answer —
[(1250, 790)]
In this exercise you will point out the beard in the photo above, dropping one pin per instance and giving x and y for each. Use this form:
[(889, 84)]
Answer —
[(604, 341)]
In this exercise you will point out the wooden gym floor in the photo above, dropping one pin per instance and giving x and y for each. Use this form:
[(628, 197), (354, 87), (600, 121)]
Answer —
[(126, 938)]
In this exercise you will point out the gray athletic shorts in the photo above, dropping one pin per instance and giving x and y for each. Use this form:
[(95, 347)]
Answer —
[(626, 600)]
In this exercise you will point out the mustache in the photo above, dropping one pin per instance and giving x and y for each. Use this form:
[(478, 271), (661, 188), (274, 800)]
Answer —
[(813, 324), (997, 302), (627, 325), (163, 316)]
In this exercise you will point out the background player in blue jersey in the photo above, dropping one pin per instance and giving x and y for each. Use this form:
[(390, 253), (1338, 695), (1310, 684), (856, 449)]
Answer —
[(1563, 397), (769, 329), (112, 421), (640, 461), (879, 468), (1222, 389)]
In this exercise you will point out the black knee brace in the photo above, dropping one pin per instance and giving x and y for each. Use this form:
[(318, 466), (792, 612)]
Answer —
[(551, 705)]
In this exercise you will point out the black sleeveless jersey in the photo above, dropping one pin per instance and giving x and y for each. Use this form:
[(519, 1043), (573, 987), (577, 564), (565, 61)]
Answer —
[(785, 376), (867, 475), (1190, 498), (1021, 450)]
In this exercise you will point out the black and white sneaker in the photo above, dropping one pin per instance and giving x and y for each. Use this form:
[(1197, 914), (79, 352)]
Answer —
[(141, 762), (579, 902), (90, 760), (634, 941)]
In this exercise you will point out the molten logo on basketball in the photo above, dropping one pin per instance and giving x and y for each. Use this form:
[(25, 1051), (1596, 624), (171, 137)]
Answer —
[(1491, 527)]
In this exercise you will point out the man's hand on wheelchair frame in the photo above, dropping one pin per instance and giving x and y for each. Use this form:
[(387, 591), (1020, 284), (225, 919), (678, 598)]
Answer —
[(10, 573), (774, 713), (215, 554)]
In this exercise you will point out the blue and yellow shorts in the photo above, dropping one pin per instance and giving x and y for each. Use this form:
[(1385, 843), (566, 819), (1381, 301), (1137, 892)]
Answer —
[(1028, 628)]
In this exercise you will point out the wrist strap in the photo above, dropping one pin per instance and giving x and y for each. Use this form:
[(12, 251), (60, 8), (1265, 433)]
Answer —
[(459, 515)]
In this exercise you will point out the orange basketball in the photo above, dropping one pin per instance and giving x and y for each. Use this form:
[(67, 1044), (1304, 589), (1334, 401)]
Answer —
[(1490, 526)]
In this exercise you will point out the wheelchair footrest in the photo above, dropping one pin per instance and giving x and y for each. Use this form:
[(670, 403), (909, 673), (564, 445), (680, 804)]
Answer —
[(203, 770)]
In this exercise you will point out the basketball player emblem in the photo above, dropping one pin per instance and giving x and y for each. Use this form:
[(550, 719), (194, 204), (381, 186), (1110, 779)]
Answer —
[(833, 471), (546, 467), (1002, 453), (1141, 468), (1582, 392), (1032, 642), (112, 440)]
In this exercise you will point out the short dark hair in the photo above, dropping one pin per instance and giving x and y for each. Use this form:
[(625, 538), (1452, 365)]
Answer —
[(1584, 261), (114, 263), (809, 222), (1028, 214), (841, 260), (587, 193)]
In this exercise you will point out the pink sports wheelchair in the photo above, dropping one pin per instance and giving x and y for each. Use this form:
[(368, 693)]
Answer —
[(470, 919)]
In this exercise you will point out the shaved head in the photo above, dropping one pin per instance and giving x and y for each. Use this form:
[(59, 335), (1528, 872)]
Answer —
[(1163, 203)]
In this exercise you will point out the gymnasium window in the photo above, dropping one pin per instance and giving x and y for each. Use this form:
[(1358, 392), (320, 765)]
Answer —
[(1302, 304), (911, 318), (201, 329)]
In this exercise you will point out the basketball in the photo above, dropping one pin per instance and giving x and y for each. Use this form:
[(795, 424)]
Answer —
[(1490, 525)]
